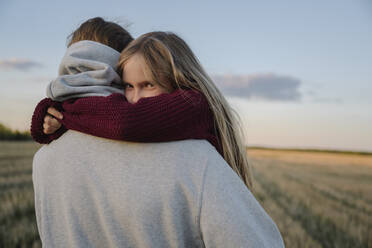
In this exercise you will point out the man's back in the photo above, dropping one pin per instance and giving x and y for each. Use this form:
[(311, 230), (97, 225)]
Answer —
[(94, 192)]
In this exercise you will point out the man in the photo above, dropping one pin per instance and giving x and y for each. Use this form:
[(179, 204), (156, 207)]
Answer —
[(96, 192)]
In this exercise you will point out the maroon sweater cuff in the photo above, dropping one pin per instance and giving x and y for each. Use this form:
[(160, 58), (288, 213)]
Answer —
[(38, 120)]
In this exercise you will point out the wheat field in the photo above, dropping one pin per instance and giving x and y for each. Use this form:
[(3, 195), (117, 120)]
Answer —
[(17, 214), (317, 199)]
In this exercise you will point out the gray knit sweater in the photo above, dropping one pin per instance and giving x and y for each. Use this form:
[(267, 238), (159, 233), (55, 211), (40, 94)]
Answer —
[(95, 192)]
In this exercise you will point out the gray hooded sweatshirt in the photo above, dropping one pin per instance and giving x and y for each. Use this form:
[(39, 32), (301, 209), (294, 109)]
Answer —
[(95, 192), (88, 68)]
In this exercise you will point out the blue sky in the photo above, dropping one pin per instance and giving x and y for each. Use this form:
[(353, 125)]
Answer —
[(298, 72)]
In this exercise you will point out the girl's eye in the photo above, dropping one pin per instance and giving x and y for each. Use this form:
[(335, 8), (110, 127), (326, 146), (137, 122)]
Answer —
[(126, 86), (149, 85)]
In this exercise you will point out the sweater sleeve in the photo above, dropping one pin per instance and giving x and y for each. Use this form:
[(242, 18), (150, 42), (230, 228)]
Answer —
[(182, 114), (37, 121), (230, 216), (179, 115)]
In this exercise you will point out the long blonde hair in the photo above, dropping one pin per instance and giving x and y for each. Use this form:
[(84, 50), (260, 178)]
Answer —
[(170, 62)]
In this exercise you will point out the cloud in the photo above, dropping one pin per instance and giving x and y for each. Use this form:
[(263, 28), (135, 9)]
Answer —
[(18, 64), (336, 100), (319, 95), (266, 86)]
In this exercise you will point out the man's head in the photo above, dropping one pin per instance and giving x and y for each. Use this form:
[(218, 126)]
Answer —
[(97, 29)]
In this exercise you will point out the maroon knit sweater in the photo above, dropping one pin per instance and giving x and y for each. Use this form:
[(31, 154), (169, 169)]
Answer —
[(182, 114)]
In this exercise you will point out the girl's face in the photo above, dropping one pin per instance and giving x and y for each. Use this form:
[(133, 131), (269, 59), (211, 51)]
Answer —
[(136, 84)]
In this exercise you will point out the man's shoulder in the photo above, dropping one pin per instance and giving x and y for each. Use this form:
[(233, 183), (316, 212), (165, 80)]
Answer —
[(189, 147), (78, 139), (73, 142)]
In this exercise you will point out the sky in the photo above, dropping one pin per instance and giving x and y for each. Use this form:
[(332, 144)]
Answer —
[(298, 73)]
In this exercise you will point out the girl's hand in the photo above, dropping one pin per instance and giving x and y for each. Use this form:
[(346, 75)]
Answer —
[(51, 124)]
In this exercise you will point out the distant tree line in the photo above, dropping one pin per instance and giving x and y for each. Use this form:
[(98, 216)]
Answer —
[(7, 133)]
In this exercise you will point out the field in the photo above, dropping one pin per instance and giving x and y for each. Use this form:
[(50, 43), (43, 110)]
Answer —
[(17, 214), (317, 199)]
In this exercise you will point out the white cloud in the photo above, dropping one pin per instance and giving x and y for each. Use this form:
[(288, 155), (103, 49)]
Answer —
[(266, 86), (18, 64)]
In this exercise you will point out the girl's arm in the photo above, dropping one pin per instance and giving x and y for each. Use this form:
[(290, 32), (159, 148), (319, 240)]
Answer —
[(182, 114), (166, 117)]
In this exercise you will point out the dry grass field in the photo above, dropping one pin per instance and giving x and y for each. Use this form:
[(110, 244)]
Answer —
[(317, 199), (17, 214)]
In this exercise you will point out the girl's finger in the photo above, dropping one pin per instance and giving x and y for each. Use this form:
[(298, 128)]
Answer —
[(52, 122), (54, 112), (47, 129), (55, 123)]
